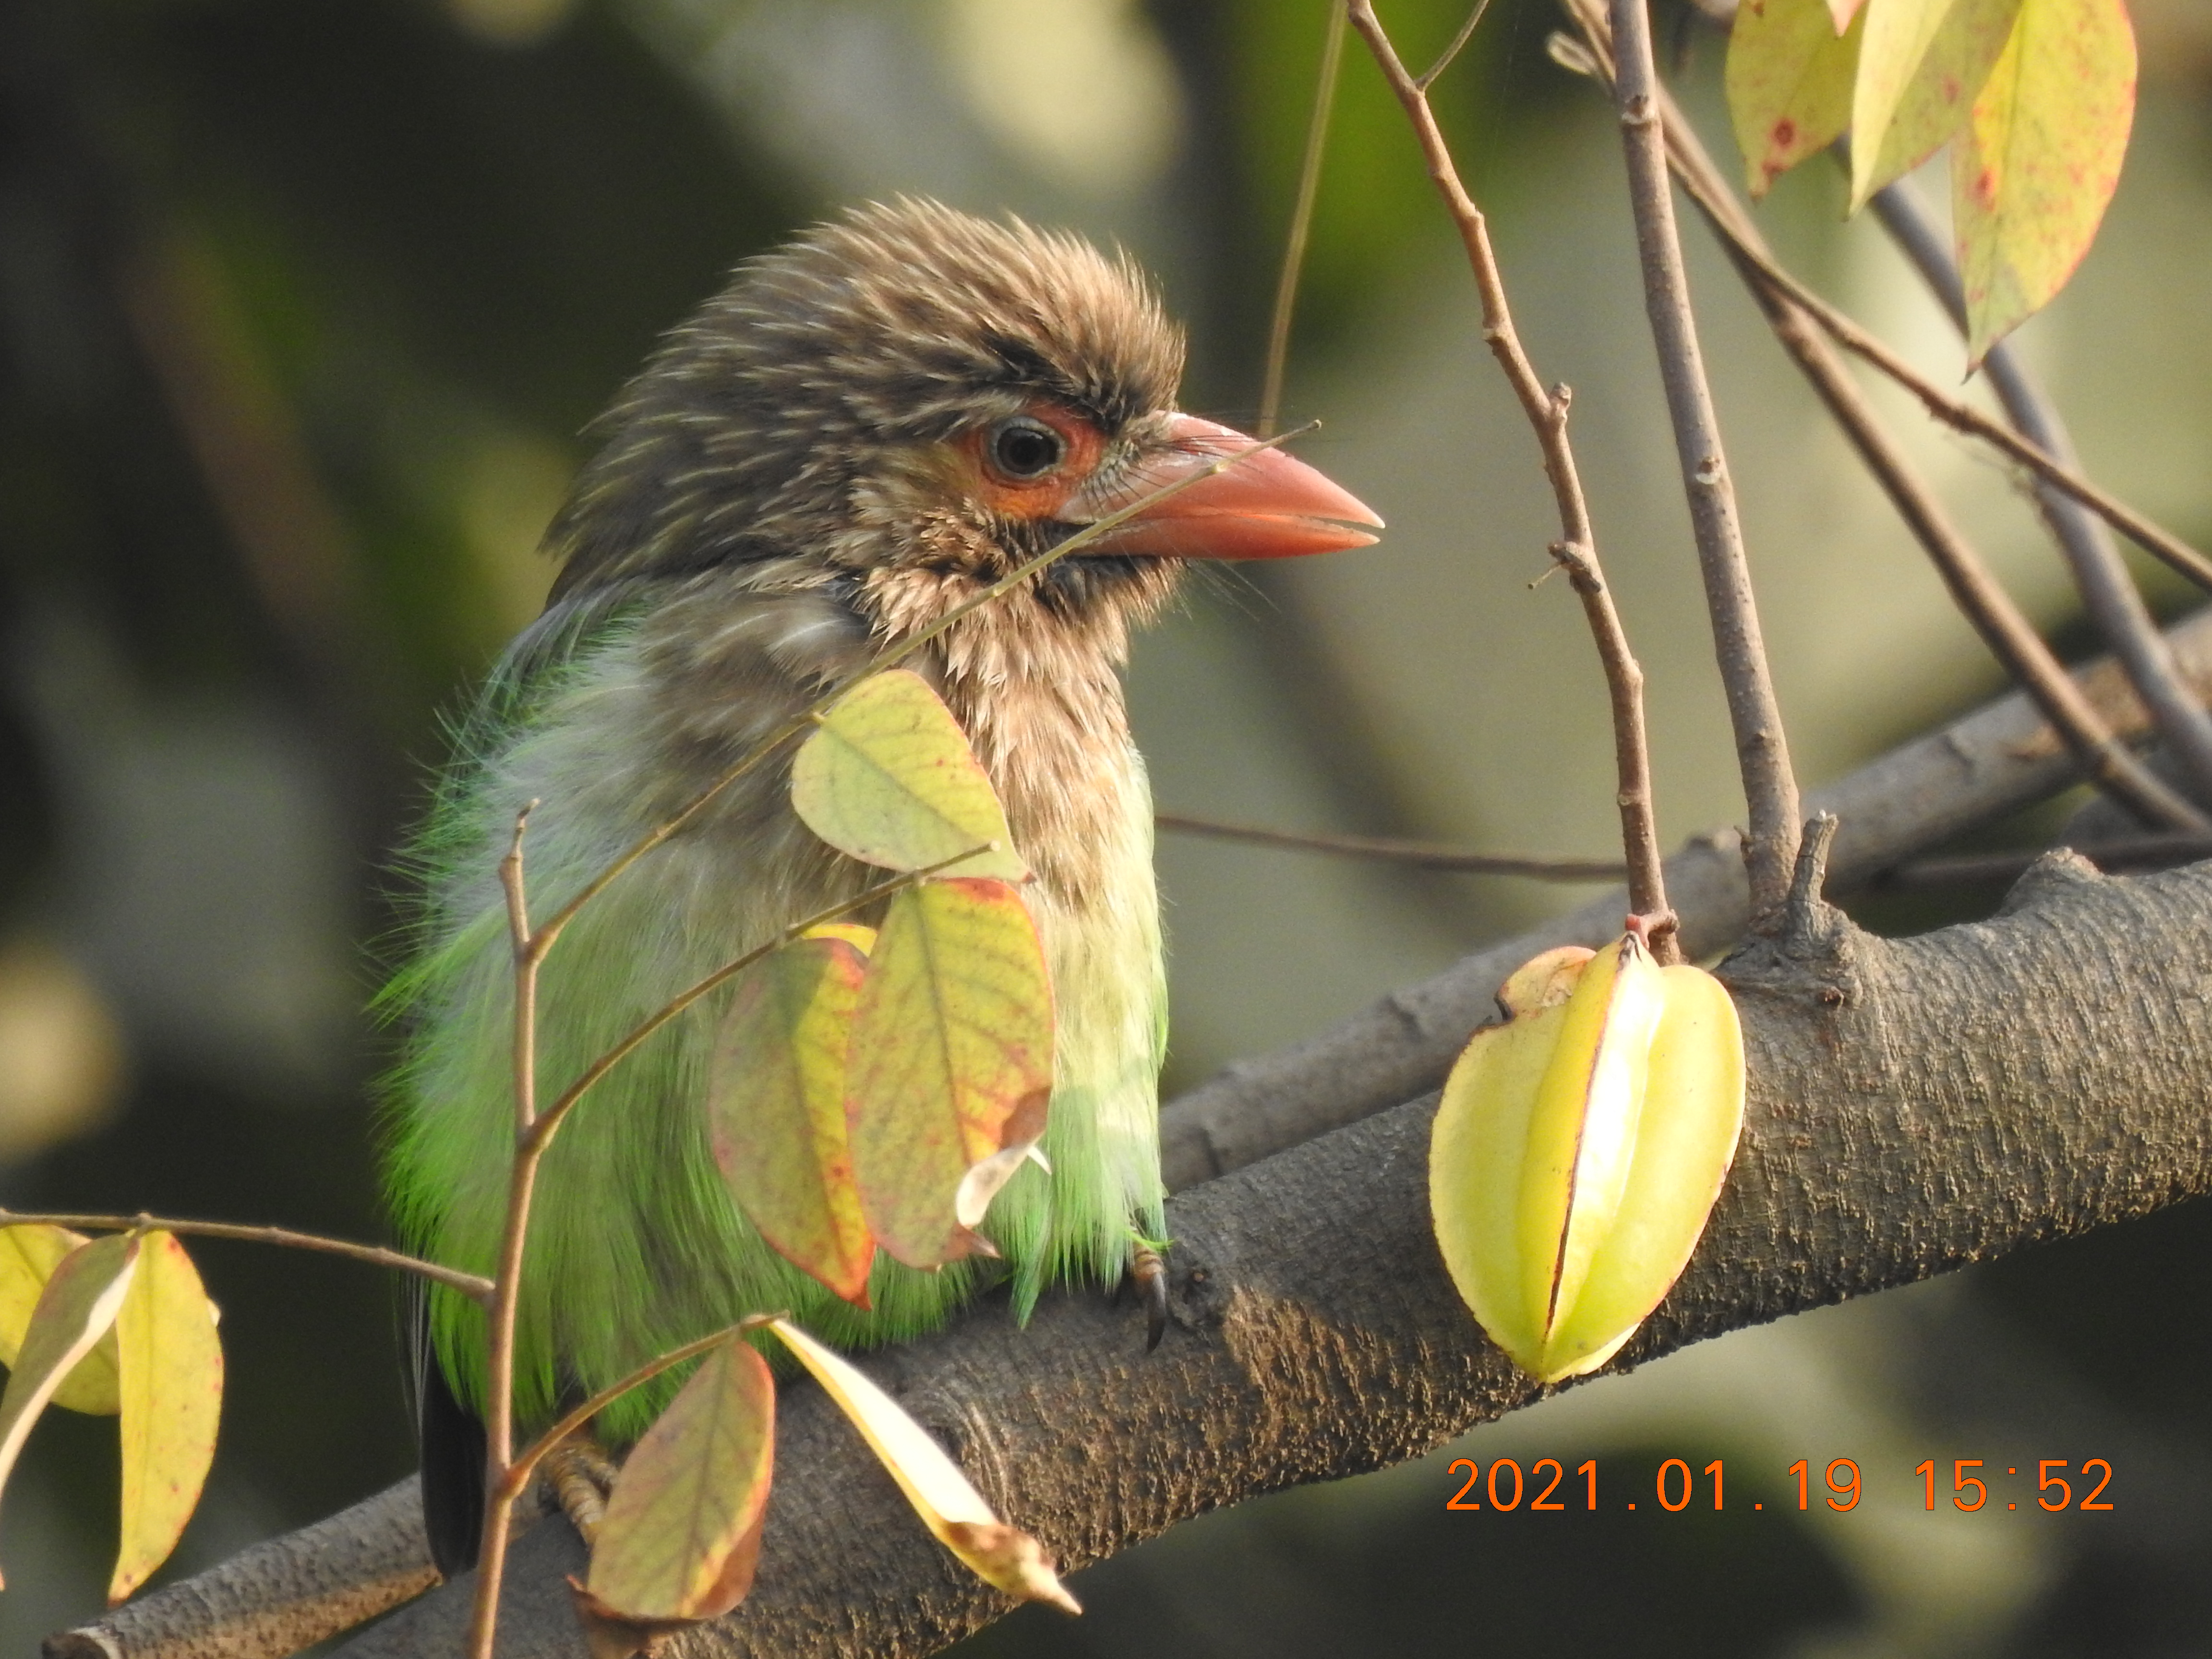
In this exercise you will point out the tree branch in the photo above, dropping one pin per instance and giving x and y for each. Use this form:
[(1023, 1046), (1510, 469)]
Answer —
[(1903, 1121), (1576, 550), (2004, 627), (2000, 758), (2153, 539), (1762, 746), (1294, 247), (2108, 593)]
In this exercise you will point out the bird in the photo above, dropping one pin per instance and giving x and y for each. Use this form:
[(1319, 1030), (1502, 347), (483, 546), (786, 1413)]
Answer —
[(866, 426)]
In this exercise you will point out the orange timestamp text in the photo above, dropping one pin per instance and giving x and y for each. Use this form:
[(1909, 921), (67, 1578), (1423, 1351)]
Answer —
[(1502, 1485)]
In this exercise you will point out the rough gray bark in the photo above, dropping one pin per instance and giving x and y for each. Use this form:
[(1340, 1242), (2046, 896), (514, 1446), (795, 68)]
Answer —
[(278, 1596), (1915, 1105)]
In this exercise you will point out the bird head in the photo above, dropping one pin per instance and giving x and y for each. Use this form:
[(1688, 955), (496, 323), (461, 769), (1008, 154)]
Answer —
[(913, 401)]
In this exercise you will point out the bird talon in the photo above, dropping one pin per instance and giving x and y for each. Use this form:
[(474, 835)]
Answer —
[(1151, 1274), (579, 1476)]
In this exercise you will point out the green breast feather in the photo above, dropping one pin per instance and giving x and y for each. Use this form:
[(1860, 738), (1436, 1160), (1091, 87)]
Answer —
[(635, 1245)]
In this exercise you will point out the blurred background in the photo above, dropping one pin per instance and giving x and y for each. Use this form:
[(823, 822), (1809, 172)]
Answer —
[(303, 305)]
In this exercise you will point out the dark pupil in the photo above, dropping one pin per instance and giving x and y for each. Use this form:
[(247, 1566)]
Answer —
[(1025, 451)]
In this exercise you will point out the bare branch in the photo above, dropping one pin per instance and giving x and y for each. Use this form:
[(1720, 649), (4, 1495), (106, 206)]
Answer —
[(2153, 539), (1996, 760), (2130, 853), (2108, 593), (1449, 55), (1770, 787), (1423, 854), (2003, 626), (1577, 548), (473, 1285)]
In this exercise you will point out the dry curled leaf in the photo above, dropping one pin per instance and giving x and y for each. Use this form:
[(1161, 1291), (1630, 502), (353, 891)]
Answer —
[(948, 1503)]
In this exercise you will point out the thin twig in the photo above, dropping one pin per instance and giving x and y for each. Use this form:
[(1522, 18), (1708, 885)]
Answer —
[(507, 1278), (1577, 548), (1294, 249), (1423, 854), (1445, 58), (2003, 626), (2153, 539), (1762, 747), (472, 1285), (551, 932), (2108, 592)]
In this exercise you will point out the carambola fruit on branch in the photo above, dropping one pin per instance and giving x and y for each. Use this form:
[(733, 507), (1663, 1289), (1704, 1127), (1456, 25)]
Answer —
[(1579, 1148)]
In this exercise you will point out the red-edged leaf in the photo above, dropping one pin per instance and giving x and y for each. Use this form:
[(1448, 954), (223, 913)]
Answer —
[(951, 1062), (2041, 159), (1921, 63), (171, 1376), (76, 1309), (776, 1105), (1790, 80), (1842, 12), (682, 1531)]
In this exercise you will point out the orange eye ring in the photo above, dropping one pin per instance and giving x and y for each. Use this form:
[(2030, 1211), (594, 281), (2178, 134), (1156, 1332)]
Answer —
[(1027, 465)]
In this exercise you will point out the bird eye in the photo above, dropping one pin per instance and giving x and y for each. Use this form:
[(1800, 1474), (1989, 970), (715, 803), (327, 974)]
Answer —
[(1024, 448)]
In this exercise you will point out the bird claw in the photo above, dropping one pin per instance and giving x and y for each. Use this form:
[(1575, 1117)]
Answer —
[(578, 1476), (1151, 1275)]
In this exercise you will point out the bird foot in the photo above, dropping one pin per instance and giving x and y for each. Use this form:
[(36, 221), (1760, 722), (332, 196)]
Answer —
[(1149, 1272), (577, 1477)]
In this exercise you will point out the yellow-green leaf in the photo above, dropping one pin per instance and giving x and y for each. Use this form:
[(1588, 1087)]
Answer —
[(76, 1309), (1579, 1147), (28, 1255), (776, 1107), (171, 1389), (948, 1503), (951, 1059), (1921, 64), (682, 1532), (2041, 159), (889, 778), (1790, 78)]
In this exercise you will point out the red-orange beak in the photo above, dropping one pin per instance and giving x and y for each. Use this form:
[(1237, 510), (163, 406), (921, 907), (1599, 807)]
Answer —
[(1266, 505)]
